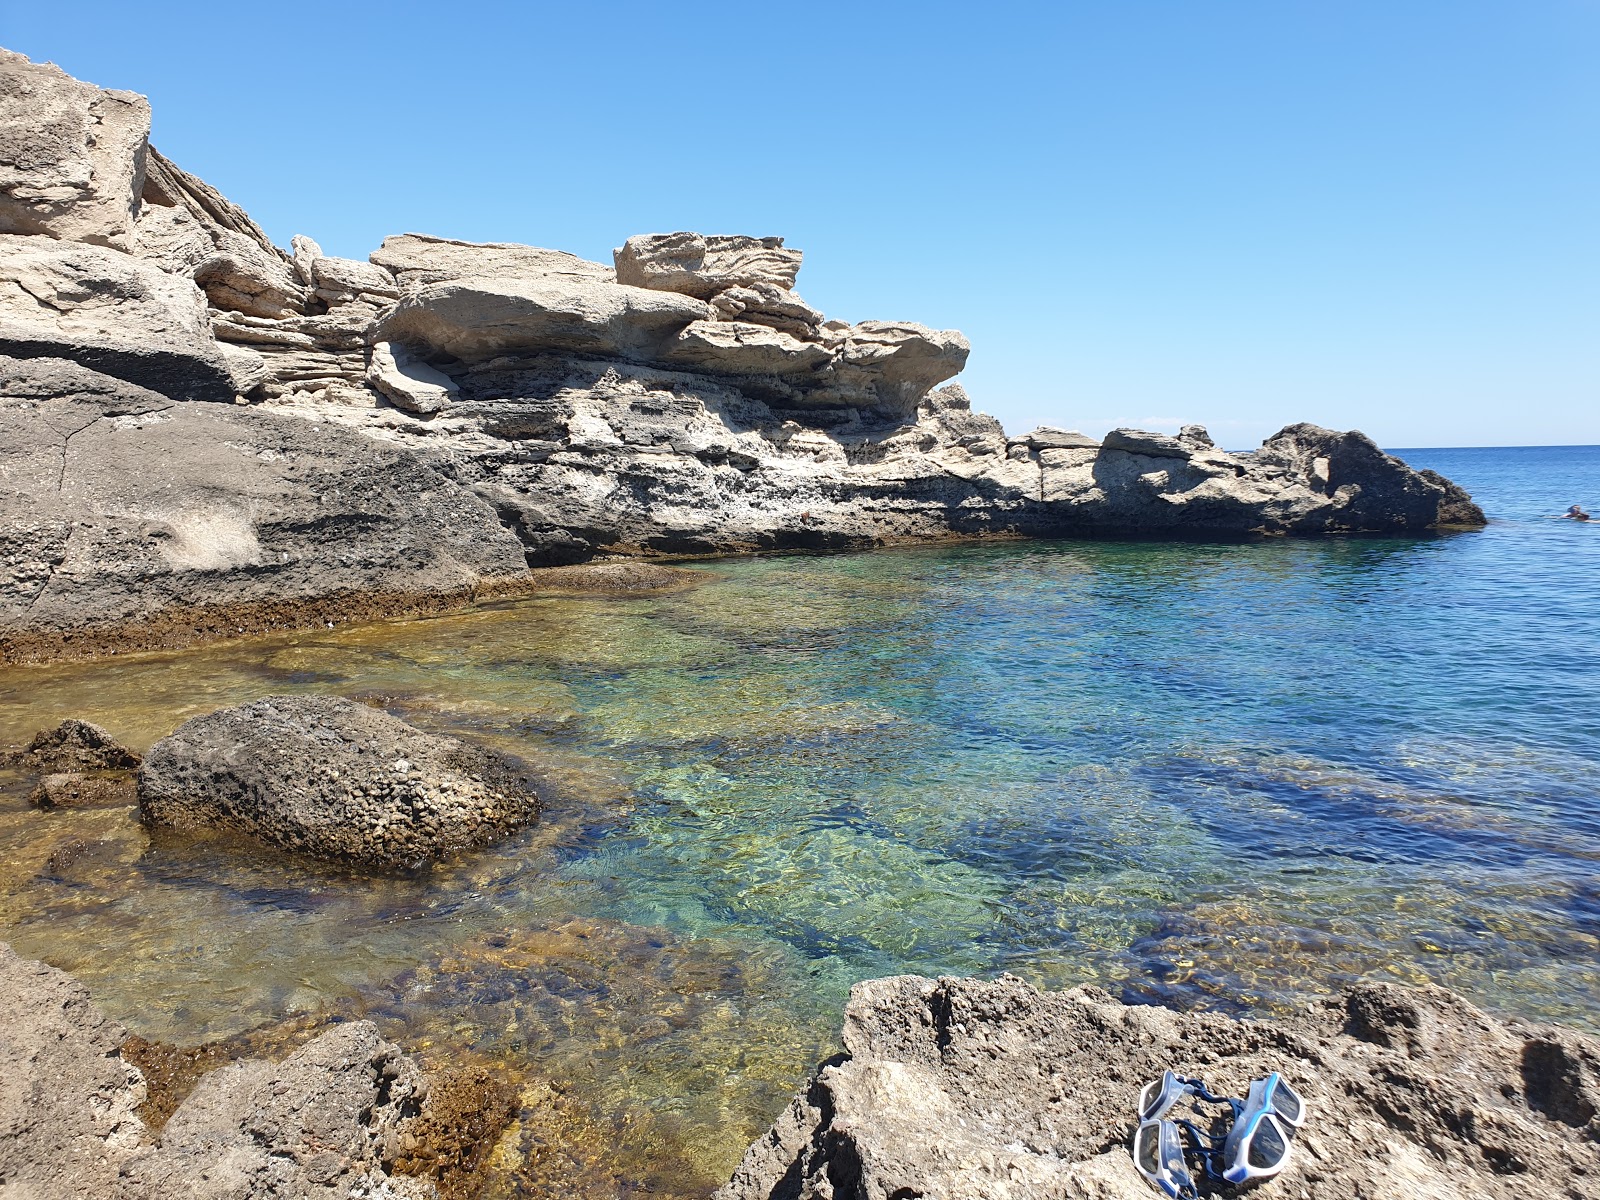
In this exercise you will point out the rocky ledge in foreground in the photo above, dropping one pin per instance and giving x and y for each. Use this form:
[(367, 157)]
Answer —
[(335, 779), (327, 1123), (193, 419), (958, 1088)]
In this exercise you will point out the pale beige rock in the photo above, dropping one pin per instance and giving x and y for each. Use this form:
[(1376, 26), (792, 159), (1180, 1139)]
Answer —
[(701, 266), (110, 311), (68, 1102), (348, 277), (893, 364), (407, 381), (765, 304), (304, 251), (738, 348), (238, 276), (416, 258), (479, 317), (167, 185), (72, 156)]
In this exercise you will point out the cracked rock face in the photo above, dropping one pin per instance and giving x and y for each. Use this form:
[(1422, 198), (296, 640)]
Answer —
[(334, 779), (247, 506), (995, 1091)]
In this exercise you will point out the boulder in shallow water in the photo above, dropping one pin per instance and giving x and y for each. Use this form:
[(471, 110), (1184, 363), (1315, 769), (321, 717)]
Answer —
[(964, 1088), (332, 778)]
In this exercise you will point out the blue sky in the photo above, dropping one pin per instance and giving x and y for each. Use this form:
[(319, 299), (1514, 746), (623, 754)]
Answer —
[(1374, 214)]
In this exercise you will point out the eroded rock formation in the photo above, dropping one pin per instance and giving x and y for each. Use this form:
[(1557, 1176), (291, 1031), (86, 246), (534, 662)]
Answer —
[(995, 1091), (450, 413), (332, 778)]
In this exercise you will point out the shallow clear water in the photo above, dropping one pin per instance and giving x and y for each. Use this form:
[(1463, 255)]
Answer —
[(1231, 774)]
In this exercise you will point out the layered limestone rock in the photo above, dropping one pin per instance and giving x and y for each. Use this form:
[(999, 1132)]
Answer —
[(332, 778), (995, 1091), (328, 1122), (451, 411)]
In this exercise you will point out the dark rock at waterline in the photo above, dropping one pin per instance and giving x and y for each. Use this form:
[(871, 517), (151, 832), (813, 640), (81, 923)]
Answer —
[(332, 778), (71, 746), (325, 1123), (962, 1088), (1373, 490)]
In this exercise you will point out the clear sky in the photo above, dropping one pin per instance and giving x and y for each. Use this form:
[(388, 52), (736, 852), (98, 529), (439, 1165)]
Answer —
[(1373, 214)]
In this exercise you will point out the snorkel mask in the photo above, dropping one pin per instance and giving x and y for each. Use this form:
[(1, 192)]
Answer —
[(1255, 1147)]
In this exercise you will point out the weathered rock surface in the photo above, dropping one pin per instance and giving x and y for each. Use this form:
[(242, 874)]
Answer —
[(72, 156), (246, 506), (482, 317), (332, 778), (451, 412), (112, 312), (68, 1103), (73, 745), (994, 1091), (701, 266), (324, 1123)]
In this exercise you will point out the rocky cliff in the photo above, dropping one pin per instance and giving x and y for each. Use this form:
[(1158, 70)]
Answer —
[(193, 418)]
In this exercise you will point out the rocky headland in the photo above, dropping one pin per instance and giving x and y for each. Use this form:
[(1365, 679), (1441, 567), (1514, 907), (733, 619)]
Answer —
[(202, 434)]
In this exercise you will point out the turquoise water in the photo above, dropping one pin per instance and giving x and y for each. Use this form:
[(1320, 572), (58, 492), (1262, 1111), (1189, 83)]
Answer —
[(1231, 775)]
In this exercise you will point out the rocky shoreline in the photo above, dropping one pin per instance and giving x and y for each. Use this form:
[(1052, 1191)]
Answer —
[(199, 430), (948, 1088), (203, 436)]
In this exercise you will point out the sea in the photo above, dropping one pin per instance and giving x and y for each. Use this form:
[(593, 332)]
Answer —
[(1233, 775)]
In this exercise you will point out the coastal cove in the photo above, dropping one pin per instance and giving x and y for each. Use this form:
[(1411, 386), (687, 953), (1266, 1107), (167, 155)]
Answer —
[(1224, 774)]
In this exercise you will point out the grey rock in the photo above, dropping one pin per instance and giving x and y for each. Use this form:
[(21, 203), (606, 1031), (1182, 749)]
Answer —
[(69, 1104), (481, 317), (247, 507), (1048, 437), (72, 156), (111, 312), (1373, 490), (417, 258), (334, 779), (318, 1126), (72, 746), (995, 1091), (321, 1125), (701, 266), (1152, 445), (409, 383)]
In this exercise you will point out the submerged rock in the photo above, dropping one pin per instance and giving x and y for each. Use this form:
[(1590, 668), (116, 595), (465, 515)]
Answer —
[(72, 746), (962, 1088), (335, 779)]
